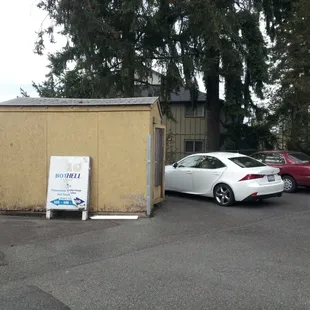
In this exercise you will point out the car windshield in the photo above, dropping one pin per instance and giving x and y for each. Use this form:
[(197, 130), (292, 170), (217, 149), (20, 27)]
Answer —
[(246, 162), (299, 157)]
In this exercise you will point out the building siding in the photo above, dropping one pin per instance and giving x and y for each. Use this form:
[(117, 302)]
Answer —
[(184, 128)]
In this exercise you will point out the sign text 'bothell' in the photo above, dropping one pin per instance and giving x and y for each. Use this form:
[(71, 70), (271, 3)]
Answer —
[(67, 175)]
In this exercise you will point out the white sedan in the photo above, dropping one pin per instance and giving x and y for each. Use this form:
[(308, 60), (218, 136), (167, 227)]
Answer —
[(228, 177)]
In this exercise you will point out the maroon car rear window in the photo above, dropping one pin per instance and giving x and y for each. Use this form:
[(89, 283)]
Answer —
[(299, 157)]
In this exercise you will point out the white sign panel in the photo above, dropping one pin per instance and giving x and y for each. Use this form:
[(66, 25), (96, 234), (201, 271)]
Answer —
[(68, 183)]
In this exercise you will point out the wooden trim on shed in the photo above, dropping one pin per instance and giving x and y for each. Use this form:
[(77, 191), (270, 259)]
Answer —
[(162, 198), (76, 108)]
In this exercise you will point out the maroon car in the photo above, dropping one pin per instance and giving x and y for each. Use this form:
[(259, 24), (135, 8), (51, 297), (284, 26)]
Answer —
[(294, 167)]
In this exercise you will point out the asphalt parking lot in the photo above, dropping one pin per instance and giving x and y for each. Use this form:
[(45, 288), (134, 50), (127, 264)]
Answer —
[(192, 254)]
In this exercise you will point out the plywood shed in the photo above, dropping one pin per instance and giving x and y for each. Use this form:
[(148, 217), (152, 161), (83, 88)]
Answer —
[(124, 137)]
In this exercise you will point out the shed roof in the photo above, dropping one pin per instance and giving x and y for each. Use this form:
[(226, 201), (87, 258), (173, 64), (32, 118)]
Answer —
[(29, 101)]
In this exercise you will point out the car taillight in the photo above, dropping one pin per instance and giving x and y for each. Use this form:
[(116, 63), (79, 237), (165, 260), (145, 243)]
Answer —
[(252, 177)]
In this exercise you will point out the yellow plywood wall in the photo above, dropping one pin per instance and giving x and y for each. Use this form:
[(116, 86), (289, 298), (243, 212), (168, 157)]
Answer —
[(115, 140), (123, 165), (22, 160), (75, 134)]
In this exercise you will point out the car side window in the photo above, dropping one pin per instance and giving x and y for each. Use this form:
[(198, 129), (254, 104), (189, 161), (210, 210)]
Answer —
[(190, 162), (210, 162), (275, 159), (260, 157)]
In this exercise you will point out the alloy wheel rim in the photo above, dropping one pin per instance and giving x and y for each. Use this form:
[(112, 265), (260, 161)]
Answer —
[(222, 195), (288, 184)]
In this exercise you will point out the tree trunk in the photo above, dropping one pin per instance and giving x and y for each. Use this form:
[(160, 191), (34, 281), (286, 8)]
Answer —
[(128, 63), (295, 131), (213, 103), (129, 73)]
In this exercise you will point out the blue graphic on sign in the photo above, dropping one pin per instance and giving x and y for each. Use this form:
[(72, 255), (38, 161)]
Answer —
[(66, 202), (78, 201), (62, 202)]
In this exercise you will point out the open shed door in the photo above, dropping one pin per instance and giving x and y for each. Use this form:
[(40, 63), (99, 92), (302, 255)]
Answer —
[(159, 162)]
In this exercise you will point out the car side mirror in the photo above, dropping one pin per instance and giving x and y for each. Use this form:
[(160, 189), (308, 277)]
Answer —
[(175, 165)]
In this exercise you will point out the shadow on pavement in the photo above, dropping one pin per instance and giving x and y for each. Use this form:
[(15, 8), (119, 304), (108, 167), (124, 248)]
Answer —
[(267, 203)]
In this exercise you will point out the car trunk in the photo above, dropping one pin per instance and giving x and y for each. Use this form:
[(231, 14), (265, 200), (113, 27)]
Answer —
[(263, 175)]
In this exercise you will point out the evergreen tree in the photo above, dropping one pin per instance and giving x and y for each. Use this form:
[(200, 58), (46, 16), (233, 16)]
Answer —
[(115, 43), (111, 42), (232, 49), (291, 101), (23, 93)]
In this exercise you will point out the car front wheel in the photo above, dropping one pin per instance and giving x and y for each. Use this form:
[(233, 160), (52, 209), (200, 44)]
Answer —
[(289, 184), (224, 195)]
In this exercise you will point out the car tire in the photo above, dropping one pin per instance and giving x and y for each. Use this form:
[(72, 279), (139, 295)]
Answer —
[(289, 184), (223, 195)]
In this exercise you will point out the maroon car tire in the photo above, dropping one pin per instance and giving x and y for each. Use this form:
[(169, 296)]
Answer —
[(289, 184)]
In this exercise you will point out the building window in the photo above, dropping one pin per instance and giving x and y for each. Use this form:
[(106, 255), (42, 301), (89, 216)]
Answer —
[(193, 146), (198, 111)]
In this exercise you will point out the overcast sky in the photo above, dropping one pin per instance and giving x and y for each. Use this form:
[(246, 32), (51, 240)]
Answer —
[(19, 66)]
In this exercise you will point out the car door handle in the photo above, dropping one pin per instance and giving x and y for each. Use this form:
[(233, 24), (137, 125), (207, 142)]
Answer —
[(215, 173), (188, 172)]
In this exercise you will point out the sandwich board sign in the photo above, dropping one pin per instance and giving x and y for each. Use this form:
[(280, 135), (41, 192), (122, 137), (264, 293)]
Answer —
[(68, 184)]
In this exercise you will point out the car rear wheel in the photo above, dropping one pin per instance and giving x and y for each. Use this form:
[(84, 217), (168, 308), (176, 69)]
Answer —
[(289, 184), (224, 195)]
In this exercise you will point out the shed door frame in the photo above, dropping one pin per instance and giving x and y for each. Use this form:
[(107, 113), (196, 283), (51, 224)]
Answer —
[(159, 156)]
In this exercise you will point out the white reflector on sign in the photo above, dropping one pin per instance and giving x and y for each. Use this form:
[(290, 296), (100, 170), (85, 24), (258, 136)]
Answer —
[(114, 217)]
